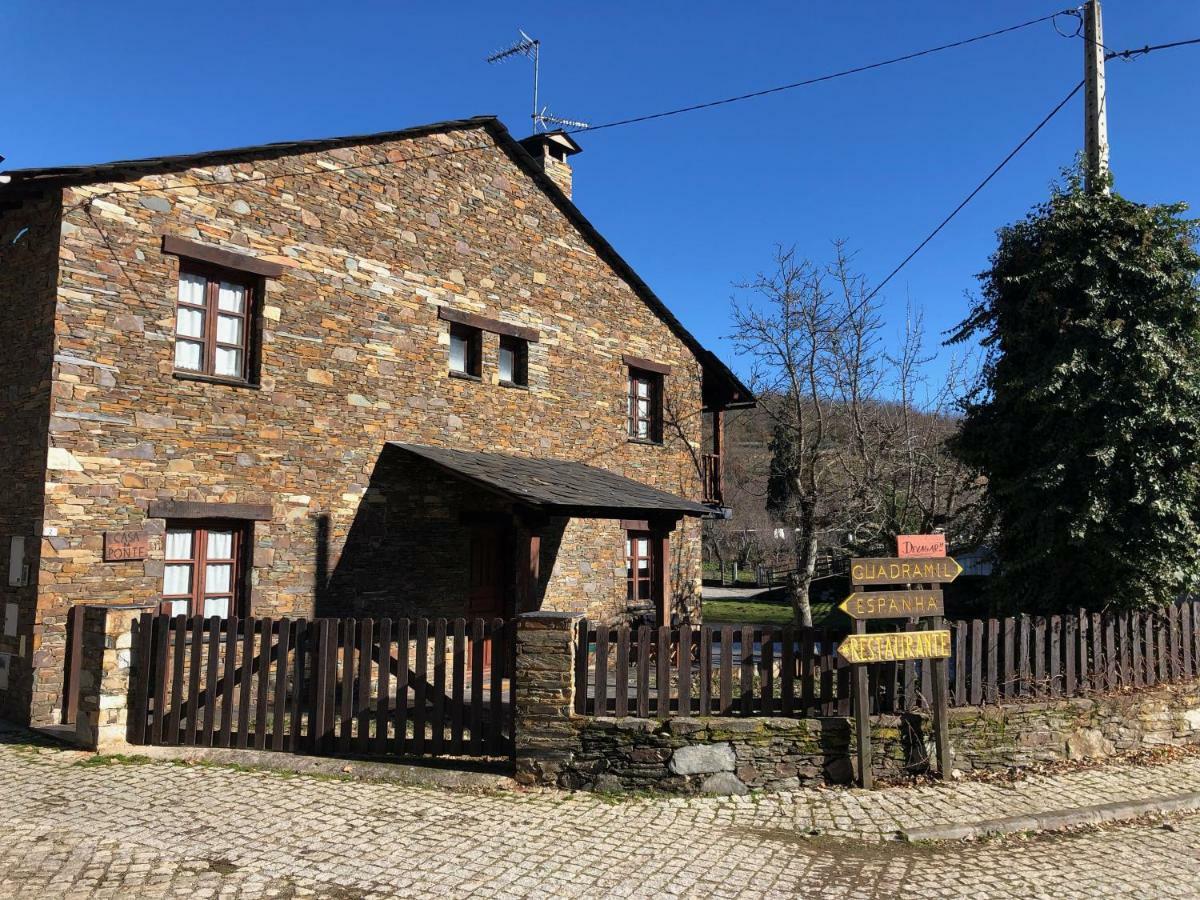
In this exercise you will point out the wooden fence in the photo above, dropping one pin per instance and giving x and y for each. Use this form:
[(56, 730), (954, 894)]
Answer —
[(325, 686), (749, 670)]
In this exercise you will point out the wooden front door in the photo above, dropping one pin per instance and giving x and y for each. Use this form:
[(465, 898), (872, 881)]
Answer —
[(487, 577), (486, 584)]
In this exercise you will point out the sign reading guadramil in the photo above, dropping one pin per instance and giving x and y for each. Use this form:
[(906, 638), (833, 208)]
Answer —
[(893, 604), (925, 570), (894, 647)]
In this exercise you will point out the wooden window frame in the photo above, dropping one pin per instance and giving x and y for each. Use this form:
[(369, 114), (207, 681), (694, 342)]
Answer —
[(474, 355), (214, 275), (520, 350), (238, 592), (655, 387), (632, 557)]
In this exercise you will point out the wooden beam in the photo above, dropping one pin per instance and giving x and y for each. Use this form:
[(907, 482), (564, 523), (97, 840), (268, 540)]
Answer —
[(662, 581), (218, 256), (189, 509), (647, 365), (483, 323)]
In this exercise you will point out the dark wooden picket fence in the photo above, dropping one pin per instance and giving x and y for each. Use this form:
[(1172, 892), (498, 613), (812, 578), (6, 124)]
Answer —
[(750, 670), (325, 686)]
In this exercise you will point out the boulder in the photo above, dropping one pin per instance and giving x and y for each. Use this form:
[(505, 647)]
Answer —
[(723, 783), (703, 759)]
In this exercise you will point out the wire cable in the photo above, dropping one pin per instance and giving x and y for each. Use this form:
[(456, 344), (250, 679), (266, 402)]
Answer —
[(822, 78), (620, 122), (971, 196), (1142, 51)]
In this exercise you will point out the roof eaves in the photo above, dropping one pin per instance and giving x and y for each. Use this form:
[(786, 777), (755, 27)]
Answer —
[(22, 180), (606, 250)]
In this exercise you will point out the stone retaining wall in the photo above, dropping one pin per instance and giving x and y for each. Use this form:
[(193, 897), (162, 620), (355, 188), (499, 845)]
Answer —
[(736, 755)]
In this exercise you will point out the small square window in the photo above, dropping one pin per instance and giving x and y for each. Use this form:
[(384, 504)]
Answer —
[(514, 360), (213, 323), (465, 344)]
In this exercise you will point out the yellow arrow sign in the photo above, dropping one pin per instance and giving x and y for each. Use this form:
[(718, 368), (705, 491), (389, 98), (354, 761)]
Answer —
[(899, 645), (931, 569), (893, 604)]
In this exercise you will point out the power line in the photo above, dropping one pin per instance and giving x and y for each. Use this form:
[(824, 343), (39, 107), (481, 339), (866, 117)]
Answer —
[(971, 196), (627, 121), (1142, 51), (831, 76)]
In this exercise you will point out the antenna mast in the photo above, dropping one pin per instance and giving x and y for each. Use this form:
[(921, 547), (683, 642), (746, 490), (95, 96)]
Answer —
[(530, 48)]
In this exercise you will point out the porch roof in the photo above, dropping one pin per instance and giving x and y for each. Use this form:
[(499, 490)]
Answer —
[(558, 486)]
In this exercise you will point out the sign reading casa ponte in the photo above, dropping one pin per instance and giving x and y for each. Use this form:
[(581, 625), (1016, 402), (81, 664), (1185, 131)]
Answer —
[(893, 604), (930, 570), (896, 646), (121, 545)]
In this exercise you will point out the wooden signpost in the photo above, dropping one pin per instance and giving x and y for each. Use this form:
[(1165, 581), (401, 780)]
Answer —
[(893, 604), (931, 567)]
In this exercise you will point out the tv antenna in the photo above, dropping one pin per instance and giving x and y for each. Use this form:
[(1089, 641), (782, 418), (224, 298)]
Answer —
[(530, 48)]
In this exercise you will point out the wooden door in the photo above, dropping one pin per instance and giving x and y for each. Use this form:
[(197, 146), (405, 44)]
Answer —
[(487, 577)]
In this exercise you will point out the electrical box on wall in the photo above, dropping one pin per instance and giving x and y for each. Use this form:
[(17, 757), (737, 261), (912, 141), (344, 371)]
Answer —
[(5, 663), (10, 620), (18, 569)]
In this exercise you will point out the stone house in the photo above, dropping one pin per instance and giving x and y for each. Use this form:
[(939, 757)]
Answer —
[(394, 374)]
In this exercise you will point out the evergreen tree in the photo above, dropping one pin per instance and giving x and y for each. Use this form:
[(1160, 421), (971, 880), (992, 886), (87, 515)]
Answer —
[(1087, 420)]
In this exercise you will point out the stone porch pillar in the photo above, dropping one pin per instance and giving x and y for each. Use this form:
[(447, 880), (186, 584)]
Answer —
[(106, 665), (546, 739)]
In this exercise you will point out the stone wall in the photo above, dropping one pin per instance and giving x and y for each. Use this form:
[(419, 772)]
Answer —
[(735, 755), (28, 275), (353, 355)]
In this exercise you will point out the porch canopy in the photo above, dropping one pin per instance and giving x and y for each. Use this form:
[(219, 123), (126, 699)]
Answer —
[(559, 487)]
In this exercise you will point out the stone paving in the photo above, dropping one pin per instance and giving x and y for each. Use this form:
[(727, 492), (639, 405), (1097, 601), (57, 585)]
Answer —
[(72, 828)]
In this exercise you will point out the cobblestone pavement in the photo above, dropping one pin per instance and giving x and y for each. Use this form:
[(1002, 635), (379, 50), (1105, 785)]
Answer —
[(78, 829)]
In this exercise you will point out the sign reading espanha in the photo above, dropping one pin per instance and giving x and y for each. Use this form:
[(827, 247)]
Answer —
[(895, 646), (893, 604), (908, 545), (122, 545), (926, 570)]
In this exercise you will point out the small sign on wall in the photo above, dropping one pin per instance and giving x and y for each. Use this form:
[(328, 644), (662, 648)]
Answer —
[(18, 572), (122, 545)]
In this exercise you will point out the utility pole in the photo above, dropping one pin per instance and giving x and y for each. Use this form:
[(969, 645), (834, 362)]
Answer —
[(1095, 107)]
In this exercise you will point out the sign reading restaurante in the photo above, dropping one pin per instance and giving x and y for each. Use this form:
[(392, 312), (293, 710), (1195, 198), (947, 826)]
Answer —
[(896, 646)]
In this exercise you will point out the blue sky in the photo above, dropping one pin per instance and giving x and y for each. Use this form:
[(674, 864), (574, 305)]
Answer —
[(695, 202)]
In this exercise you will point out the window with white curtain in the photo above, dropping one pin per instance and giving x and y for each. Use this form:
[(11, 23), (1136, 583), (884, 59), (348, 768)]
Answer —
[(202, 570), (212, 323)]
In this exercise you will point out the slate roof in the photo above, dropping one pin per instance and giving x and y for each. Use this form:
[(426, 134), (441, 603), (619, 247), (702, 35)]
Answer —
[(559, 486), (722, 389)]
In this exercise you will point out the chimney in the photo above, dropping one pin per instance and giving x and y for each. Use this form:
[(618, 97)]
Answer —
[(550, 150)]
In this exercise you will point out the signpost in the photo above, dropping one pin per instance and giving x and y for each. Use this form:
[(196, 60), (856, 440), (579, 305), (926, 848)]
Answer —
[(920, 545), (895, 646), (893, 604), (928, 570), (922, 561)]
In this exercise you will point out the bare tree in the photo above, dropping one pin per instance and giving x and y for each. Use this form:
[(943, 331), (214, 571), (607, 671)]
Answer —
[(858, 435)]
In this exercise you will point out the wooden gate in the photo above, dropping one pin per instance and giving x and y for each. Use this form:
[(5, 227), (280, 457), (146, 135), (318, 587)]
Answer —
[(402, 687)]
